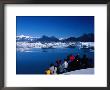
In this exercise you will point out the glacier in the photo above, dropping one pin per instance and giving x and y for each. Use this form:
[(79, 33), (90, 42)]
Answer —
[(22, 46), (28, 42)]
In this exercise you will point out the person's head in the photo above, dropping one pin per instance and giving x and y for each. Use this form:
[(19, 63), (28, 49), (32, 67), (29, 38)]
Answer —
[(51, 65), (78, 54), (59, 61), (84, 55), (65, 60), (70, 54), (48, 69)]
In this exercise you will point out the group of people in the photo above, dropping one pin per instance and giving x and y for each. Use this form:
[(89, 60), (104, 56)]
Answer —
[(69, 64)]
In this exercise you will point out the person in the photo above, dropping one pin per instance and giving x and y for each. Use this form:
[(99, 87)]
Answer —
[(71, 63), (65, 65), (58, 66), (77, 60), (68, 58), (60, 69), (48, 72), (58, 62), (77, 57), (55, 70), (84, 61), (52, 68), (72, 58)]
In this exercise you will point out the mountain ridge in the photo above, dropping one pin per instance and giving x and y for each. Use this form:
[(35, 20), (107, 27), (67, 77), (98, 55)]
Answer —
[(83, 38)]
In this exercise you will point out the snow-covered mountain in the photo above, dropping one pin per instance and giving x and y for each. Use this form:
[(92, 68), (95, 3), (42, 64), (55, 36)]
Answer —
[(84, 38), (23, 36), (61, 38)]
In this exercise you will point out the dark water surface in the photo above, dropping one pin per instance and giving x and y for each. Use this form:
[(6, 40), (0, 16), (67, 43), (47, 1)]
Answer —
[(36, 61)]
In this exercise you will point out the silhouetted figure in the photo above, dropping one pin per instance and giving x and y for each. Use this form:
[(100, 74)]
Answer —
[(59, 66), (77, 60), (85, 61), (68, 58), (60, 69), (57, 63)]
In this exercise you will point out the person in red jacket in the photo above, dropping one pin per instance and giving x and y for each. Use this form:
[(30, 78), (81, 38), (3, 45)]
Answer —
[(72, 58), (71, 62)]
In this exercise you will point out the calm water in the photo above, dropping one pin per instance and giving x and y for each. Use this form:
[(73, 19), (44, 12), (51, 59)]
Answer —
[(36, 61)]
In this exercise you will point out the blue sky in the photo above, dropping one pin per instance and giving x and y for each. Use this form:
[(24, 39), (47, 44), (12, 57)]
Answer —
[(58, 26)]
